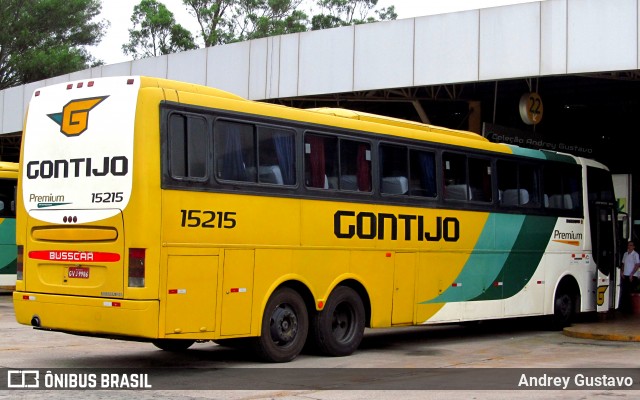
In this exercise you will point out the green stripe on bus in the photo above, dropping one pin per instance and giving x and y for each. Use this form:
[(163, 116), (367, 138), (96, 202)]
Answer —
[(484, 264), (523, 259), (521, 151), (503, 272), (553, 156)]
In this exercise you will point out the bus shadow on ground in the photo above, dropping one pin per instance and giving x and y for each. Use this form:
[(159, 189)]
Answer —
[(437, 334)]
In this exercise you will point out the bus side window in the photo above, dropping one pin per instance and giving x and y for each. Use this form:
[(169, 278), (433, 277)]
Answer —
[(235, 157), (422, 171), (529, 182), (188, 146), (321, 161), (479, 179), (562, 187), (277, 156), (393, 169), (455, 176), (355, 166), (518, 184)]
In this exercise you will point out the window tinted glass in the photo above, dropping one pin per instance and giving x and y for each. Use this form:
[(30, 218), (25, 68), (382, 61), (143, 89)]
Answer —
[(355, 166), (277, 157), (188, 146), (422, 171), (394, 174), (235, 151)]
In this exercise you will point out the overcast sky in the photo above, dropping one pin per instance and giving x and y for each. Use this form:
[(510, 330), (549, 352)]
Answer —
[(118, 12)]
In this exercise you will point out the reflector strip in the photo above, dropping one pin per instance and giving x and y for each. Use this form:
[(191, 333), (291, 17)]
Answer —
[(540, 282), (497, 283), (111, 304), (456, 284), (70, 255), (177, 291), (25, 297), (238, 290)]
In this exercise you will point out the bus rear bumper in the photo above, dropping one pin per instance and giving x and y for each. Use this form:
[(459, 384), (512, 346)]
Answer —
[(88, 315)]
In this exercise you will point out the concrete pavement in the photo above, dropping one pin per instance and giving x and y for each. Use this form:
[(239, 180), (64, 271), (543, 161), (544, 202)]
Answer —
[(614, 326)]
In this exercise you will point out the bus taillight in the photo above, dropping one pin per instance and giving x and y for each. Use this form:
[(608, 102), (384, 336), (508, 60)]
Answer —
[(136, 267), (19, 264)]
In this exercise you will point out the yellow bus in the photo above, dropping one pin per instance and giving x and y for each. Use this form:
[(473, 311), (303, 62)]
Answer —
[(8, 253), (161, 211)]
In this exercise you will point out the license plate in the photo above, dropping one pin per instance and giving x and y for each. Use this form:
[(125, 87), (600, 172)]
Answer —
[(78, 272)]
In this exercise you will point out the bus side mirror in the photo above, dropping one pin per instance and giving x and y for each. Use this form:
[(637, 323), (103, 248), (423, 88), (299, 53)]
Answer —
[(623, 225)]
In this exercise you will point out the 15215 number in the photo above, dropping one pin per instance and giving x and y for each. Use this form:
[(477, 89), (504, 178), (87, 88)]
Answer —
[(208, 219), (107, 197)]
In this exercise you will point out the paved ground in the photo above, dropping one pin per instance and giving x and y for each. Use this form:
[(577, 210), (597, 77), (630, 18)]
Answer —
[(615, 327)]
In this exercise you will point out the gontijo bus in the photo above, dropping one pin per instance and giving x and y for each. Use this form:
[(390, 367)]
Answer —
[(173, 213), (8, 254)]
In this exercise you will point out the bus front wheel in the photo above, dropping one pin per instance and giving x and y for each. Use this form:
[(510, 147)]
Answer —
[(338, 329), (562, 310), (285, 324)]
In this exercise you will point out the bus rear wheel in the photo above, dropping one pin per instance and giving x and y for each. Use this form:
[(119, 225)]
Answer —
[(285, 324), (338, 329), (173, 345)]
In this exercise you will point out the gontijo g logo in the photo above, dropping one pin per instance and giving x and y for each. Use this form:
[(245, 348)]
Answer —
[(74, 118)]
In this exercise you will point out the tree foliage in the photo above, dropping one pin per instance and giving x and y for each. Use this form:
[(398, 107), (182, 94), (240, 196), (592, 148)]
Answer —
[(44, 38), (214, 19), (156, 32), (335, 13), (226, 21)]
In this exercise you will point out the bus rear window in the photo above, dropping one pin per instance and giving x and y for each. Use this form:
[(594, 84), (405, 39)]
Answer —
[(188, 144)]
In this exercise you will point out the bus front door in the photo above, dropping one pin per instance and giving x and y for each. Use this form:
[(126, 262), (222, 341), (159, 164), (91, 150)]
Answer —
[(606, 256)]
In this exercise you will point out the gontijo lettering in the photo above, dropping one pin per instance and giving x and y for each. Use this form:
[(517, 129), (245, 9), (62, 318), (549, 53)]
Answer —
[(78, 167), (368, 225)]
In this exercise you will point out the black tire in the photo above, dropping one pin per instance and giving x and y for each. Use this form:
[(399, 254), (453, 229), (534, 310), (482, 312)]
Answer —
[(285, 324), (338, 329), (563, 307), (174, 345)]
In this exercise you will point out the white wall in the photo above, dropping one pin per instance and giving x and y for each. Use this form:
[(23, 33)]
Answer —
[(524, 40)]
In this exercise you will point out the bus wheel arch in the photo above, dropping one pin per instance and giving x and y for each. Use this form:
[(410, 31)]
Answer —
[(285, 323), (173, 345), (566, 302), (338, 329)]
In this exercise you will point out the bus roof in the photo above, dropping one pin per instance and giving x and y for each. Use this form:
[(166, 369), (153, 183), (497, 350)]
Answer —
[(434, 133), (8, 166), (381, 119), (8, 170)]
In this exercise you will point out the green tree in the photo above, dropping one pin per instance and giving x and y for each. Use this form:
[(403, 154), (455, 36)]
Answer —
[(225, 21), (44, 38), (214, 18), (156, 32), (335, 13), (262, 18)]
